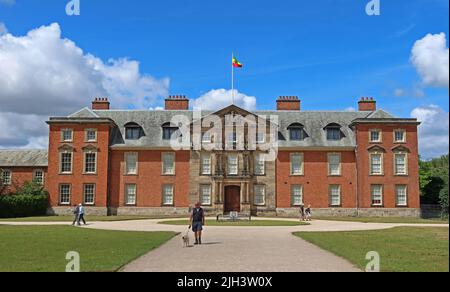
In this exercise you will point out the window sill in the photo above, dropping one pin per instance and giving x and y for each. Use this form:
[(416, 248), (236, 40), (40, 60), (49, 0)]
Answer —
[(66, 173), (335, 206), (401, 175), (168, 206), (377, 206), (168, 175), (130, 205)]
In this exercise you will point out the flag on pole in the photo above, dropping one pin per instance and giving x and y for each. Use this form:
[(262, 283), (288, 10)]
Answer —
[(236, 63)]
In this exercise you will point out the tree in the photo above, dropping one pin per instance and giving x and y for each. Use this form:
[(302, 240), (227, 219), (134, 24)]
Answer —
[(434, 177), (31, 189)]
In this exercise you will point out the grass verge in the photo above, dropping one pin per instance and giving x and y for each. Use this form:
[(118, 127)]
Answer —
[(402, 249), (44, 248)]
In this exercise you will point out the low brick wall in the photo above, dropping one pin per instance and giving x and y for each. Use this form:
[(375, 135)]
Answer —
[(68, 211)]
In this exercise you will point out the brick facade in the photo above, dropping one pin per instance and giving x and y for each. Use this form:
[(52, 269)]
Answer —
[(353, 183)]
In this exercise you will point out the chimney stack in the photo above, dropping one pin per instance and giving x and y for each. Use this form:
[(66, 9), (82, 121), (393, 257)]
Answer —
[(177, 103), (367, 104), (288, 103), (100, 104)]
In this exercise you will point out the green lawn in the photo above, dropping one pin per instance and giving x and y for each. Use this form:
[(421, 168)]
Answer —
[(386, 220), (70, 218), (239, 223), (402, 249), (44, 248)]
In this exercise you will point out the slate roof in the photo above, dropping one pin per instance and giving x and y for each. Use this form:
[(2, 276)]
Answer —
[(314, 122), (23, 158)]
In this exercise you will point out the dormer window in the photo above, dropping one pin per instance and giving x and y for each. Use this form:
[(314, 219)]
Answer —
[(133, 131), (297, 132), (334, 132), (169, 131)]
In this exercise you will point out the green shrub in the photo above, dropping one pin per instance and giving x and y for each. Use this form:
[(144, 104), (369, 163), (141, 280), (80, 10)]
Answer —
[(30, 200)]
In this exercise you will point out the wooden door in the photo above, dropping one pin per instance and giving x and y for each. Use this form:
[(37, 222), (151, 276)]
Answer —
[(232, 199)]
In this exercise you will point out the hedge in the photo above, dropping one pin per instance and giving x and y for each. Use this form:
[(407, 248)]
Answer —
[(15, 206)]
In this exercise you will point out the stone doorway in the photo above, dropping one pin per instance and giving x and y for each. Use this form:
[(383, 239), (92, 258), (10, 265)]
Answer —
[(232, 199)]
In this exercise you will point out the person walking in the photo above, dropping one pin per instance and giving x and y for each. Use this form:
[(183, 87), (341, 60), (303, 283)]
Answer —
[(308, 213), (76, 213), (197, 222), (302, 212), (81, 215)]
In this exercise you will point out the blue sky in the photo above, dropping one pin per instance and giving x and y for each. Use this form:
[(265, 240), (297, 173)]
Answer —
[(328, 52)]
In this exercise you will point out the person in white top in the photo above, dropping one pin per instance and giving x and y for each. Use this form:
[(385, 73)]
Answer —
[(81, 214)]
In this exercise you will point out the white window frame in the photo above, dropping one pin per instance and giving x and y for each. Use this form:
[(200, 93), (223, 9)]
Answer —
[(371, 164), (94, 187), (60, 195), (397, 195), (42, 178), (372, 195), (235, 158), (165, 195), (206, 138), (128, 194), (207, 202), (301, 166), (260, 137), (63, 131), (380, 136), (260, 165), (206, 168), (7, 182), (85, 164), (259, 191), (396, 164), (293, 188), (403, 131), (165, 169), (86, 134), (61, 162), (330, 156), (126, 156), (332, 195)]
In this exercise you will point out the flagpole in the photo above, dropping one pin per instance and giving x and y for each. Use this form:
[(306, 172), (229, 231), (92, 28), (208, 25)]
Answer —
[(232, 77)]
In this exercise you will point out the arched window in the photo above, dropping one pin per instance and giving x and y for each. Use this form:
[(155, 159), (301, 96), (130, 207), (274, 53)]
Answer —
[(297, 132), (170, 131), (133, 131), (334, 132)]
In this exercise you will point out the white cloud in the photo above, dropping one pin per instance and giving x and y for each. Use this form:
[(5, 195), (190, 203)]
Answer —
[(8, 2), (220, 98), (42, 74), (3, 29), (430, 56), (434, 131), (350, 109)]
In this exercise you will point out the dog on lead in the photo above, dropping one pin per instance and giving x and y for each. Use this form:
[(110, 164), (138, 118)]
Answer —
[(185, 238)]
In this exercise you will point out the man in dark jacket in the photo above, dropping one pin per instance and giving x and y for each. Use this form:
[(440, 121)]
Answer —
[(197, 222), (76, 213)]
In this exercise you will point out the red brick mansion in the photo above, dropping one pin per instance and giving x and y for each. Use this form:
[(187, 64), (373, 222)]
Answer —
[(124, 161)]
